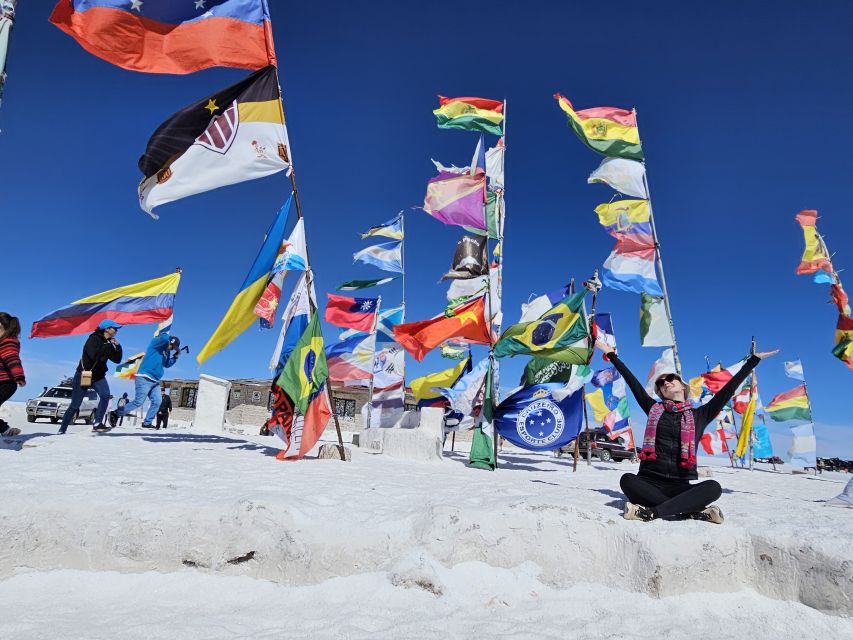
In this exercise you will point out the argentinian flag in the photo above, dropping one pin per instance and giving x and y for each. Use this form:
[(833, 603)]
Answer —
[(387, 256)]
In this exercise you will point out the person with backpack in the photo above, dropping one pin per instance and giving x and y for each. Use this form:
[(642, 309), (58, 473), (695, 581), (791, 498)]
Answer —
[(11, 370), (100, 347), (162, 352)]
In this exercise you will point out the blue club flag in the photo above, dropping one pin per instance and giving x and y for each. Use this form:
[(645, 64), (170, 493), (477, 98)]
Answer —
[(532, 419)]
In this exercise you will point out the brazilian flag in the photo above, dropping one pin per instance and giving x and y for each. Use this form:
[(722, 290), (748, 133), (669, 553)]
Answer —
[(306, 369), (561, 333)]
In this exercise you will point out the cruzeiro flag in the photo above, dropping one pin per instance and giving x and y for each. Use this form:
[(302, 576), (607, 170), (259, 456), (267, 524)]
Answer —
[(533, 419), (234, 135), (561, 333)]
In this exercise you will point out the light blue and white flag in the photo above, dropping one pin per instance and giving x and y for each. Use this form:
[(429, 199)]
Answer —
[(392, 229), (794, 369), (463, 395), (387, 256), (804, 445), (293, 255)]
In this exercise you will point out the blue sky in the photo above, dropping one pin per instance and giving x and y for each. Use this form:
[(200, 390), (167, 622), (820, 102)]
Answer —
[(739, 108)]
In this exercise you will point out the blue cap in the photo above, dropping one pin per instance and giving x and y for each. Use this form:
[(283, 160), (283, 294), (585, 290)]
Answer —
[(108, 324)]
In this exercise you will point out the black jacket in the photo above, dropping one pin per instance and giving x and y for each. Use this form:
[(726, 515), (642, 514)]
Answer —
[(668, 439), (96, 352), (165, 406)]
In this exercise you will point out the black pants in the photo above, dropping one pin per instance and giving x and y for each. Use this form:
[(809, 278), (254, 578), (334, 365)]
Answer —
[(670, 498), (7, 390), (162, 418)]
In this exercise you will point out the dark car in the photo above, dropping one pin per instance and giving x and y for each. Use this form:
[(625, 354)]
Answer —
[(602, 448)]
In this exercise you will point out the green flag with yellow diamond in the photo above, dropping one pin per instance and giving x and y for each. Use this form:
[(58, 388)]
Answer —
[(306, 369)]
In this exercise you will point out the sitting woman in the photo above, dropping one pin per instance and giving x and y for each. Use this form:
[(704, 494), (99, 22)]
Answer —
[(662, 487)]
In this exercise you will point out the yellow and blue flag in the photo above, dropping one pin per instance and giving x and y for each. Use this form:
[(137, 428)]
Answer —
[(241, 313)]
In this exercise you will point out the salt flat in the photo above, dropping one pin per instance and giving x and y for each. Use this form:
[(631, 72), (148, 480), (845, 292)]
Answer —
[(138, 534)]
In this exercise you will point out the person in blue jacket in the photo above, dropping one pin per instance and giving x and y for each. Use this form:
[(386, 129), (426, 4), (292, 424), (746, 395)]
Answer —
[(162, 352)]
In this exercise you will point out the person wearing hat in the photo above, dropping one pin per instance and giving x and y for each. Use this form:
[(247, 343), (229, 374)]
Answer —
[(661, 488), (100, 346), (162, 352)]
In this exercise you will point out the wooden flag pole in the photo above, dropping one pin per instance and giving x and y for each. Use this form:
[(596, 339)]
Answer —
[(309, 274), (593, 285), (659, 262)]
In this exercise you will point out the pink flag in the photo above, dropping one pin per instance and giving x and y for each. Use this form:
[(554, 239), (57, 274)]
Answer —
[(457, 199)]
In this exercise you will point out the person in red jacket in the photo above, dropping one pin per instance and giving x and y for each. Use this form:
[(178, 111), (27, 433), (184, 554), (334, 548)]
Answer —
[(11, 370)]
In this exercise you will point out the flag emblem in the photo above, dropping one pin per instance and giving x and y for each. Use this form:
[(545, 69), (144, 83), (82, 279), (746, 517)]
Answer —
[(308, 355), (541, 423), (221, 131)]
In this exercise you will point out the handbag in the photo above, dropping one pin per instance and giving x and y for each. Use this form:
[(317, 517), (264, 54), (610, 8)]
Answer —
[(85, 376)]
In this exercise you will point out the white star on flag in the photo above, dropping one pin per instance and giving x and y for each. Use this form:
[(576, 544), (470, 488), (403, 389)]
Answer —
[(199, 4), (367, 305), (136, 4)]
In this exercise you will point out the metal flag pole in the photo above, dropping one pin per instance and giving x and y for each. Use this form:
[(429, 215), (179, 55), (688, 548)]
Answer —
[(309, 274), (659, 260), (592, 280), (499, 222), (403, 261), (7, 21), (372, 362)]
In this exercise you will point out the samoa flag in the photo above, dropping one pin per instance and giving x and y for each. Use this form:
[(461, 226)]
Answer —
[(532, 419), (171, 36)]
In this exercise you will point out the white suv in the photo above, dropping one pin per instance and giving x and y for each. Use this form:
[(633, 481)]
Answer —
[(53, 402)]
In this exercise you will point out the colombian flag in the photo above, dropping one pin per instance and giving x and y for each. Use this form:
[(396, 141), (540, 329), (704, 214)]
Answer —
[(171, 36), (241, 313), (140, 303)]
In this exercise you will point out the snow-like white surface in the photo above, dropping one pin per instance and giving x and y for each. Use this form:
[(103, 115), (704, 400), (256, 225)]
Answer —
[(138, 534)]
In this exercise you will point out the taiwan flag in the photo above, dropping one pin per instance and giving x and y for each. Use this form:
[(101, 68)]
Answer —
[(351, 313), (171, 36)]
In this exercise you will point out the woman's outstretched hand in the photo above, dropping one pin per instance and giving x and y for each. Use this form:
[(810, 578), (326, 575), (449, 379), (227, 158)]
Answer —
[(605, 348), (765, 354)]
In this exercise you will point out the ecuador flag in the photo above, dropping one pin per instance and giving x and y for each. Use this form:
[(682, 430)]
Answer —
[(306, 369), (561, 333), (465, 321), (791, 405), (231, 136), (140, 303), (241, 313), (609, 131)]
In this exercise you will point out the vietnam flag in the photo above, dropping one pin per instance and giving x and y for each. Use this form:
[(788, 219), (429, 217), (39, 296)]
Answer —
[(171, 36), (466, 321)]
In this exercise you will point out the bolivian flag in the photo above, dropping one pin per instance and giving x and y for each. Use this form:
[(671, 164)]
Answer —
[(791, 405), (306, 369), (843, 349), (234, 135), (241, 313), (609, 131), (561, 333), (470, 114)]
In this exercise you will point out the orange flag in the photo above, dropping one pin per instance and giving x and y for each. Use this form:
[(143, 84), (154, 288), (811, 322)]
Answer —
[(467, 321)]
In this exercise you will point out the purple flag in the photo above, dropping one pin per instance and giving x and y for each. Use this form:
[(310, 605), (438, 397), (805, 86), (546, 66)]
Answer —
[(457, 199)]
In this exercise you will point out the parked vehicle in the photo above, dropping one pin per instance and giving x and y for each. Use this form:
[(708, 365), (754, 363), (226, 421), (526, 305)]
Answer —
[(773, 460), (53, 402), (602, 447)]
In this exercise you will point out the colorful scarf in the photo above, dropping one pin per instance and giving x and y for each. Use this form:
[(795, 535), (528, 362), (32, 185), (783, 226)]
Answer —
[(688, 432)]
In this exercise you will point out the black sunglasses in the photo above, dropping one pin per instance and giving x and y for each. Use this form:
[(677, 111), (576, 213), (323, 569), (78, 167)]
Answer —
[(670, 377)]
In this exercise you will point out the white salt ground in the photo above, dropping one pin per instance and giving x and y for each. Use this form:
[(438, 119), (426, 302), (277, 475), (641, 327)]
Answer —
[(138, 534)]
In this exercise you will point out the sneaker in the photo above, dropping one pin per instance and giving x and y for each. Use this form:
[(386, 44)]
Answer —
[(113, 418), (709, 514), (61, 432), (148, 426), (637, 512), (100, 428), (11, 432)]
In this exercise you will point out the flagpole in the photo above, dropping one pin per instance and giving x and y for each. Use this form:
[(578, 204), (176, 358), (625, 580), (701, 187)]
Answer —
[(583, 397), (499, 210), (8, 13), (372, 362), (309, 274), (403, 261), (659, 260)]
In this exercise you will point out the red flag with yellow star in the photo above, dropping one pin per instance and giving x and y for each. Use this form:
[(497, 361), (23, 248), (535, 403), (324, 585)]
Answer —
[(466, 321), (234, 135)]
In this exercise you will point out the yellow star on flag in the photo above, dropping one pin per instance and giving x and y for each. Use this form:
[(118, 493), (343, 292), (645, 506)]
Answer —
[(211, 106)]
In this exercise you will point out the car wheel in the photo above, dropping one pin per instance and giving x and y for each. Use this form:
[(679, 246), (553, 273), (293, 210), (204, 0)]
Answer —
[(91, 418), (31, 418), (604, 455), (54, 420)]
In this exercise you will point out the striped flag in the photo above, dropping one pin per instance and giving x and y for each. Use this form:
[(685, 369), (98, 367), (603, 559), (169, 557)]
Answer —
[(631, 265)]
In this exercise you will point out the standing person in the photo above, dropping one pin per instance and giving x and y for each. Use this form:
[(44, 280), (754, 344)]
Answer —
[(164, 410), (100, 347), (11, 370), (120, 405), (162, 352), (662, 487)]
